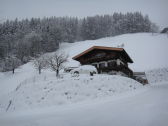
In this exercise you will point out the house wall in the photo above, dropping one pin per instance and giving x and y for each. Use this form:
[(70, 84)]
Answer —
[(118, 66), (101, 59)]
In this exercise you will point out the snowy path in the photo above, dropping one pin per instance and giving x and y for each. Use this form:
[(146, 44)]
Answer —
[(146, 108)]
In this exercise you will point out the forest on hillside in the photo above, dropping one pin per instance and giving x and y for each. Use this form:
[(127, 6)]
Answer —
[(21, 40)]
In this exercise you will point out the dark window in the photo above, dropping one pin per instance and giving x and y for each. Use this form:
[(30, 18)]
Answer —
[(112, 64), (102, 65)]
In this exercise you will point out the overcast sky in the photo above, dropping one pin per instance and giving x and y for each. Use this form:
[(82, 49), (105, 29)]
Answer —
[(10, 9)]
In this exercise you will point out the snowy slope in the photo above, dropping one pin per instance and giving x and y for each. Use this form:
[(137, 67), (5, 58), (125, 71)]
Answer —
[(157, 75), (69, 100), (46, 90), (147, 107), (146, 50), (9, 81)]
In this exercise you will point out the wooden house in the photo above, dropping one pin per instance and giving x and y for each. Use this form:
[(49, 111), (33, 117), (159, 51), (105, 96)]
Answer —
[(106, 59)]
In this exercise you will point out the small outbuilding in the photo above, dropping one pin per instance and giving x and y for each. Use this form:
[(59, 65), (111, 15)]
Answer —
[(165, 30), (106, 59)]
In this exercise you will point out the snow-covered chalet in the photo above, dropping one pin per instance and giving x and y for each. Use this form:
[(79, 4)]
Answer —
[(106, 59)]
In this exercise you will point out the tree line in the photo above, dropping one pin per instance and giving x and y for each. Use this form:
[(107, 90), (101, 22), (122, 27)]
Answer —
[(20, 40)]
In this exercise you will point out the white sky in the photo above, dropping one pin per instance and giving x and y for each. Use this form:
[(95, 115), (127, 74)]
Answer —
[(10, 9)]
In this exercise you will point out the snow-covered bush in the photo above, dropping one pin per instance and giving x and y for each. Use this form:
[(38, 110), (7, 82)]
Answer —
[(85, 69)]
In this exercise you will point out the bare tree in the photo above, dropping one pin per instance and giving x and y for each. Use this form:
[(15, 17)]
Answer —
[(40, 63), (11, 63), (56, 62)]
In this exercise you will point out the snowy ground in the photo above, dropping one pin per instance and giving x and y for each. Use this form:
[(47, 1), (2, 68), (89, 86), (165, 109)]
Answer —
[(144, 107), (9, 81), (47, 90), (42, 100), (147, 51), (157, 75)]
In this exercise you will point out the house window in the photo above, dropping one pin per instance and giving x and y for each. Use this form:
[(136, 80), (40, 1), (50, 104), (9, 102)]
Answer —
[(112, 64), (102, 65)]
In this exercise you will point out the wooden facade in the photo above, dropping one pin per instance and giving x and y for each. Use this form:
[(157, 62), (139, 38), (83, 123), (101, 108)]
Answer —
[(106, 59)]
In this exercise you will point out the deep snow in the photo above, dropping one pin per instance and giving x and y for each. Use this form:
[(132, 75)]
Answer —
[(147, 51), (39, 100), (9, 81), (157, 75), (46, 90), (144, 107)]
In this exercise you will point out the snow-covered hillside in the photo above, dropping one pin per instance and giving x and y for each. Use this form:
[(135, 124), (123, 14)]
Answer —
[(146, 50), (9, 81), (147, 107), (119, 96), (157, 75), (45, 90)]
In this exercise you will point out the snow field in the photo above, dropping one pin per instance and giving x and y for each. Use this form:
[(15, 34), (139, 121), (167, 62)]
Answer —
[(27, 90), (157, 75), (99, 100), (42, 91)]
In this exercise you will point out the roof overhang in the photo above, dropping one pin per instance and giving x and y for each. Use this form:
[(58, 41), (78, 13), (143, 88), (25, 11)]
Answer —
[(103, 48)]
